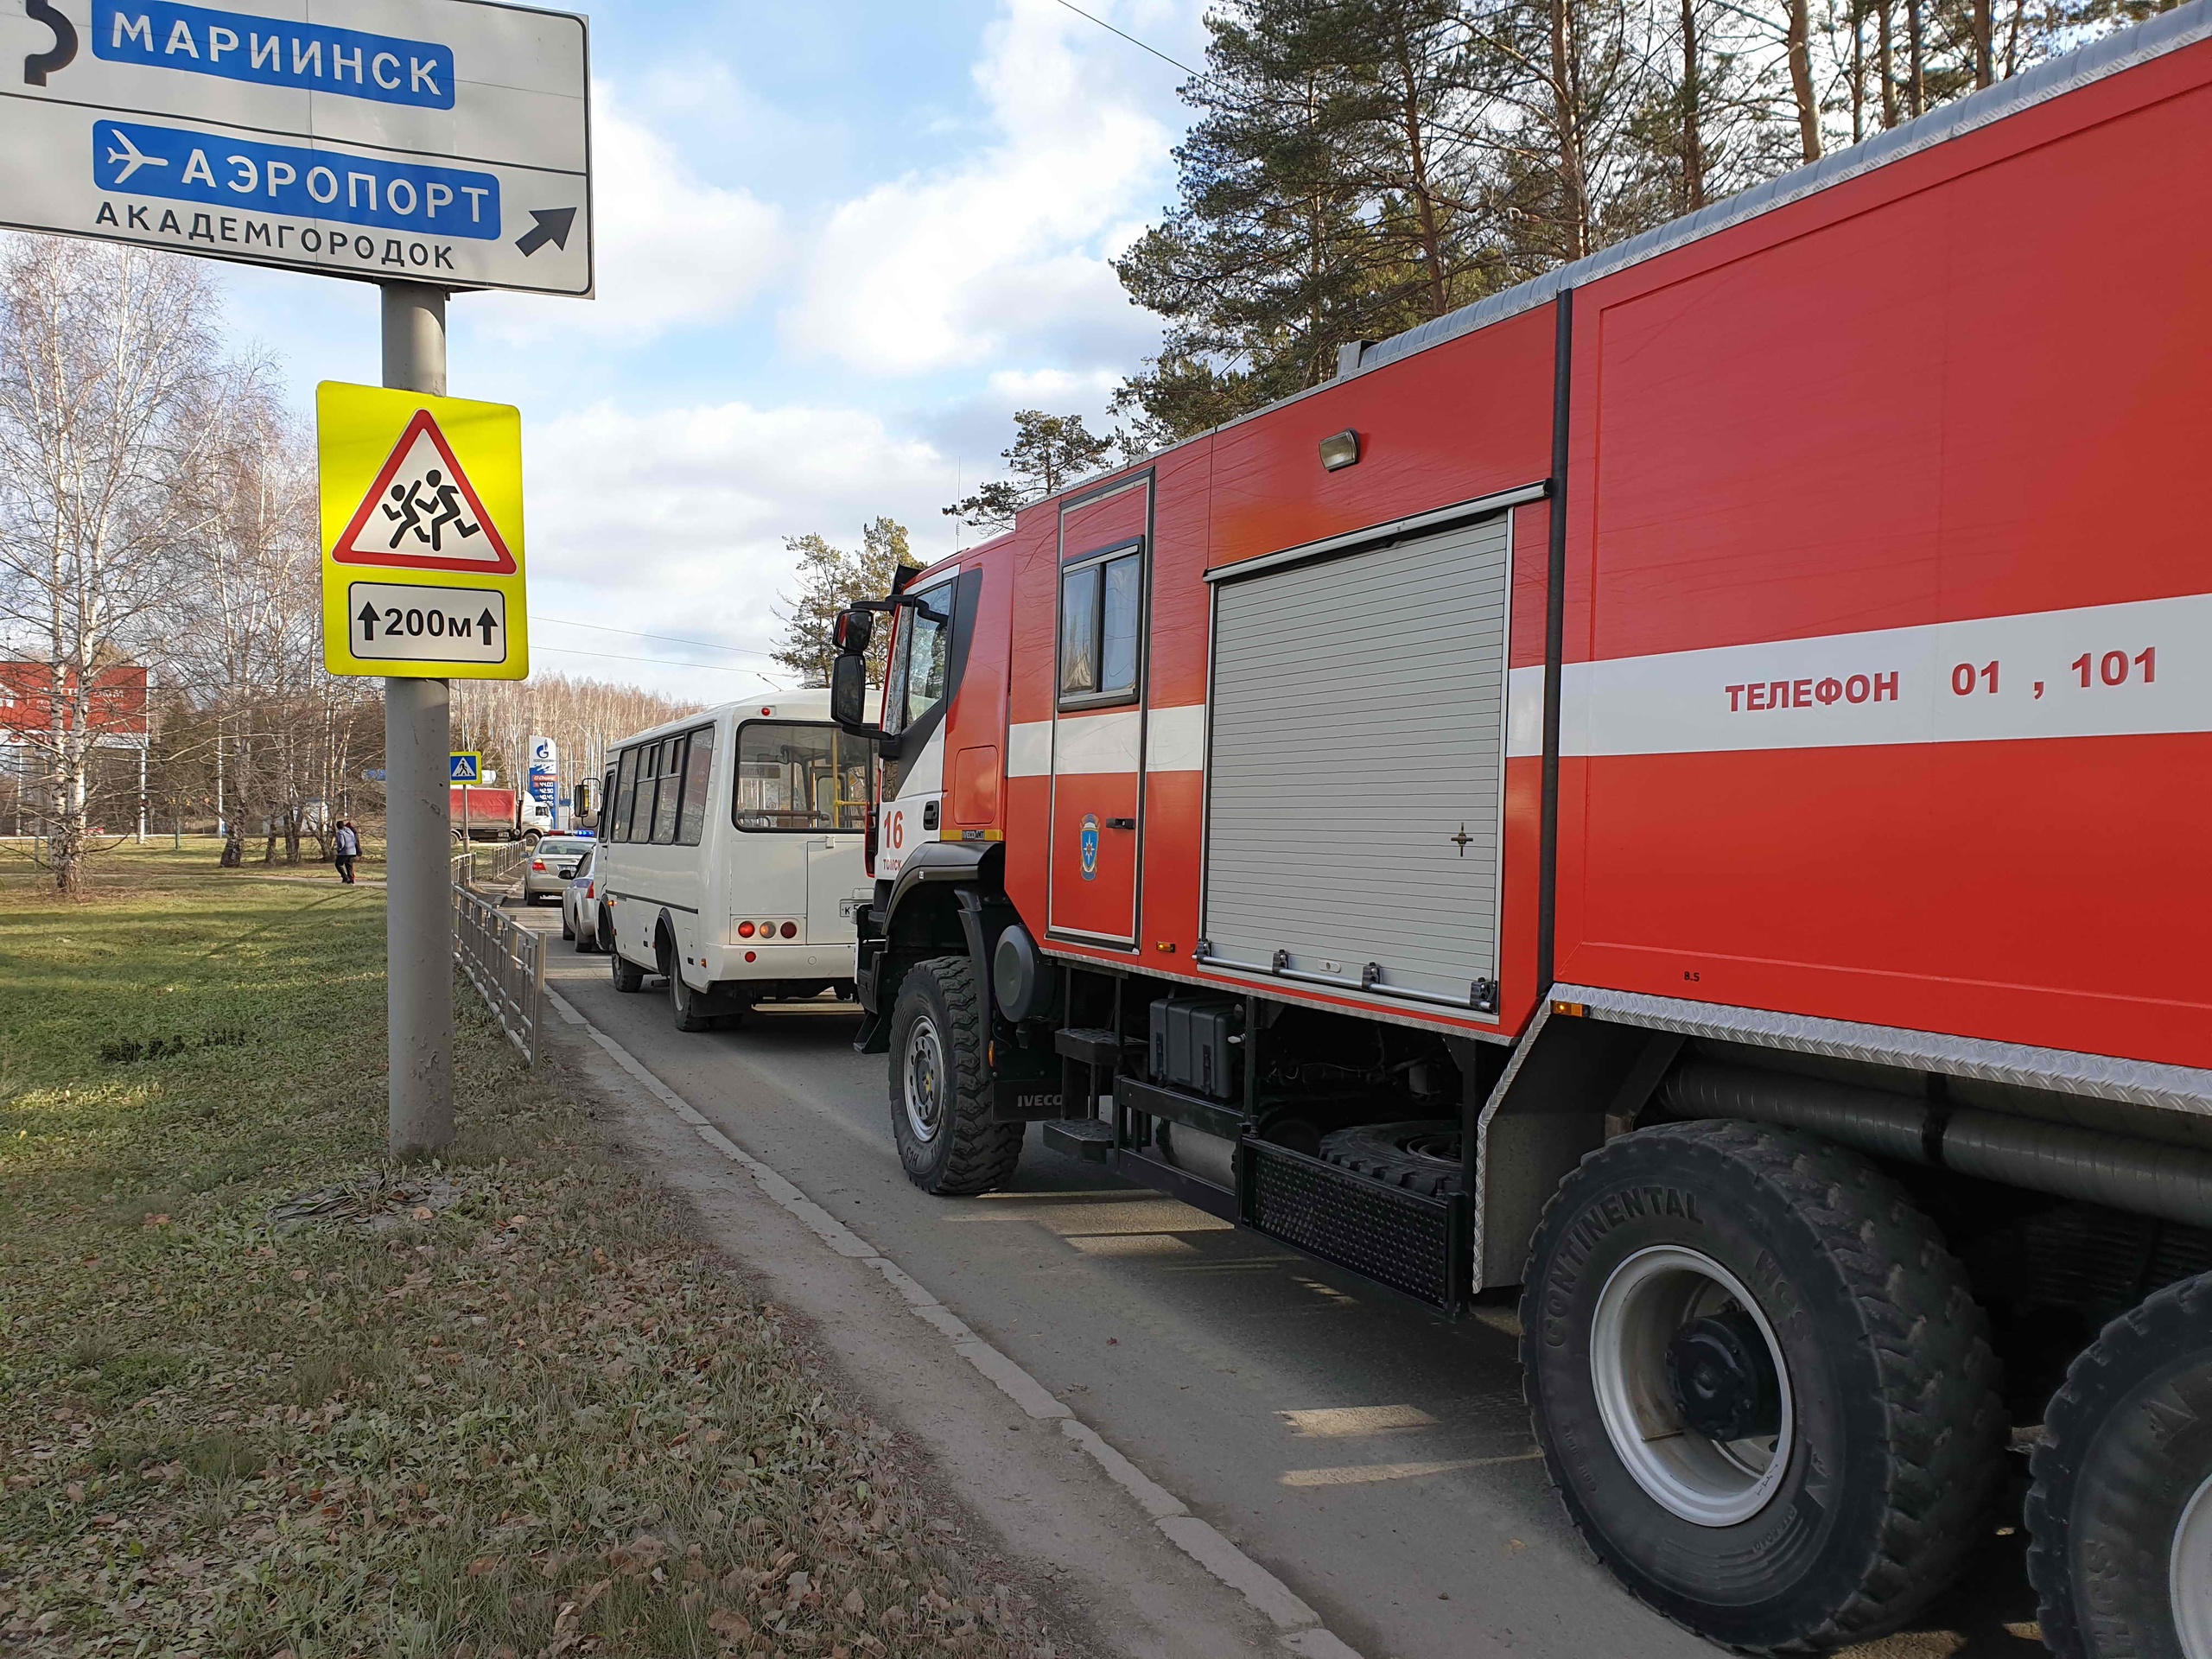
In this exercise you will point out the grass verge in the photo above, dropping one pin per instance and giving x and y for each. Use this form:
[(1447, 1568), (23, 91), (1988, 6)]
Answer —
[(506, 1406)]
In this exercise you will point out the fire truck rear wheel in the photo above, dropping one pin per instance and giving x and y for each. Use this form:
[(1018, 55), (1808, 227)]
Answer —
[(2120, 1512), (1761, 1384), (940, 1085)]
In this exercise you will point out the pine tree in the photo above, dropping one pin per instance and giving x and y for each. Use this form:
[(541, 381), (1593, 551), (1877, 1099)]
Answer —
[(830, 579), (1049, 452)]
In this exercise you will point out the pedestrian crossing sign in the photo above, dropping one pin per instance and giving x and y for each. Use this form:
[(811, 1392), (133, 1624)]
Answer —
[(421, 535)]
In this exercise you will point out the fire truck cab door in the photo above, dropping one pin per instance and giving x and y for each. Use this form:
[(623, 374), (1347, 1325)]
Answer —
[(1098, 723), (927, 655)]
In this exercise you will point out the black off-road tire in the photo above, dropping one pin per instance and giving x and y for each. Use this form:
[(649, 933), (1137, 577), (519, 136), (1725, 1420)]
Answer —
[(628, 977), (968, 1153), (1422, 1157), (1899, 1432), (2127, 1443)]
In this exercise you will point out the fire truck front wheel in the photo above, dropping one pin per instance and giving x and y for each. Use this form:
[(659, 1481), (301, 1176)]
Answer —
[(1761, 1384), (2121, 1508), (940, 1085)]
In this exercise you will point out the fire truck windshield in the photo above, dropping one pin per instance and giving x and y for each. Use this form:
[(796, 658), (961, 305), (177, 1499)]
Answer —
[(919, 659)]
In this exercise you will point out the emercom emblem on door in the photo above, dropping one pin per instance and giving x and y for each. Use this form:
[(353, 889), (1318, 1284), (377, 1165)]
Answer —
[(1098, 716)]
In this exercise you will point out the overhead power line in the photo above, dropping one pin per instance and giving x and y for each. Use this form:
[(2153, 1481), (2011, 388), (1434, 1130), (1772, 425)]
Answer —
[(657, 662), (670, 639), (1139, 45)]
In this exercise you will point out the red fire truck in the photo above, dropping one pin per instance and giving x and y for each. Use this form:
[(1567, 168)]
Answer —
[(1682, 788)]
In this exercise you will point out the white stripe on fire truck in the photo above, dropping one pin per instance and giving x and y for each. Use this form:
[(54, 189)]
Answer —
[(1174, 740), (2098, 670)]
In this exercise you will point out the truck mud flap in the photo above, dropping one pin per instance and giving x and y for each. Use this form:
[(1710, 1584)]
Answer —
[(1408, 1242)]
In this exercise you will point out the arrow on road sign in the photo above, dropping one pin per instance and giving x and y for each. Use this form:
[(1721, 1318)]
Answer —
[(552, 226), (368, 621), (422, 513), (487, 623)]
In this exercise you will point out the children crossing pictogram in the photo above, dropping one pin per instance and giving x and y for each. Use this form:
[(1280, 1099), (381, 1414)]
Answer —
[(422, 513)]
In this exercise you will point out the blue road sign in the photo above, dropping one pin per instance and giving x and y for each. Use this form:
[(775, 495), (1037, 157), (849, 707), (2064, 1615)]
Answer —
[(184, 164), (238, 45), (466, 767)]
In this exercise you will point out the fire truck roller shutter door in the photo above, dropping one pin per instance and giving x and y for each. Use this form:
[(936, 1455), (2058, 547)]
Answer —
[(1355, 766)]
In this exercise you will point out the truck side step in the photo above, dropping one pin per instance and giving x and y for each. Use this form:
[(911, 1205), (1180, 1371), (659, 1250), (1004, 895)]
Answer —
[(1090, 1046), (1080, 1137)]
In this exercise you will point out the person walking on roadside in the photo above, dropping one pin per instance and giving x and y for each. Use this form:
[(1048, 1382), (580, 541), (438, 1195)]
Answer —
[(349, 849)]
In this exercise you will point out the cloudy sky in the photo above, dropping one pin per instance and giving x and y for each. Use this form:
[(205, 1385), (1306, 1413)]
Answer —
[(839, 242)]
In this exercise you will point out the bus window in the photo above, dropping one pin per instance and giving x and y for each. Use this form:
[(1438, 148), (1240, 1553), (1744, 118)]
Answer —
[(799, 777), (624, 794), (698, 787), (671, 785)]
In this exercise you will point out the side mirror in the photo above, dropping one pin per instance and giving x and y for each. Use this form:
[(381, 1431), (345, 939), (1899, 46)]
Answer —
[(854, 629), (848, 688)]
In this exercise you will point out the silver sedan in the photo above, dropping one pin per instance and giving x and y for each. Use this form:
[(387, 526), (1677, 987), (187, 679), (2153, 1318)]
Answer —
[(551, 866), (580, 904)]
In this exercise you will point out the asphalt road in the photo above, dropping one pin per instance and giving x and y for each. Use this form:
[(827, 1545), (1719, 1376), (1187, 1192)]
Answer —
[(1373, 1454)]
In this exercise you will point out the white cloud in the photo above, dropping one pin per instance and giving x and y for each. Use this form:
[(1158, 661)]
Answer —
[(929, 272), (672, 521), (669, 249)]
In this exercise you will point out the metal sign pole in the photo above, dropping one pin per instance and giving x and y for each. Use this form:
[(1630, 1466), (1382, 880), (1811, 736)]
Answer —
[(417, 738)]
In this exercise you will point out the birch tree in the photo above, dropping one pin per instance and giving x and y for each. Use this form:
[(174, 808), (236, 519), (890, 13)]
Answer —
[(105, 354)]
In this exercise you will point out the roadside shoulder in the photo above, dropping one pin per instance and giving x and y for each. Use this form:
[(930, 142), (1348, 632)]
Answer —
[(1117, 1550)]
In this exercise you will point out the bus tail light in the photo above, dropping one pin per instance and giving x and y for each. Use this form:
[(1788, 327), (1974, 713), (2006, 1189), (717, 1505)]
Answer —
[(789, 929), (745, 929)]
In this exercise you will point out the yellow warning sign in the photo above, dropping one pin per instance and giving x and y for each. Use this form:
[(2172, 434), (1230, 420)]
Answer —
[(421, 535)]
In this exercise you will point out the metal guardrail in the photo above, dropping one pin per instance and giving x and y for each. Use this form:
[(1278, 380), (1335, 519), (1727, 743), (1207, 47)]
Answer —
[(495, 865), (502, 959)]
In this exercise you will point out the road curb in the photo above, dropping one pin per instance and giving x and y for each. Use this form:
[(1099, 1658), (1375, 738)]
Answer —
[(1299, 1627)]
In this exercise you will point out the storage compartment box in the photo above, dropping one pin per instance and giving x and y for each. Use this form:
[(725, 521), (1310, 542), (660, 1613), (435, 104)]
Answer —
[(1191, 1047)]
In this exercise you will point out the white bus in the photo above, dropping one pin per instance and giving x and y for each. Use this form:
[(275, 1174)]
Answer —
[(729, 860)]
